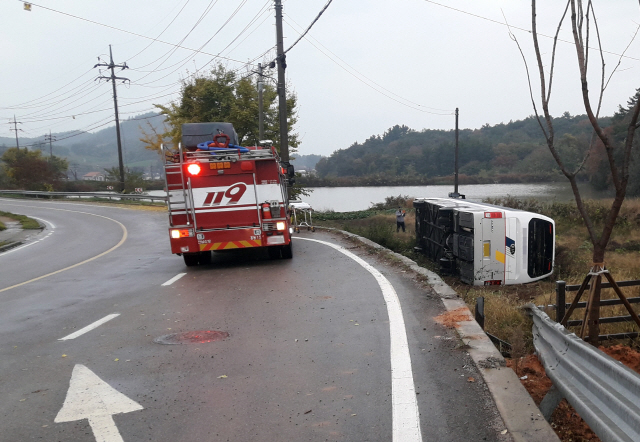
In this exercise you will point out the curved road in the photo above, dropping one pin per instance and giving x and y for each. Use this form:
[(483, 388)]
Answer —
[(309, 354)]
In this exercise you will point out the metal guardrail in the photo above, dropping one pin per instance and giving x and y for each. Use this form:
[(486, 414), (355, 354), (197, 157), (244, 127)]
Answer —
[(114, 195), (604, 392)]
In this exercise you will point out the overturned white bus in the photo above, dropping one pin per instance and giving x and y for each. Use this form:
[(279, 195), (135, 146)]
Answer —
[(484, 244)]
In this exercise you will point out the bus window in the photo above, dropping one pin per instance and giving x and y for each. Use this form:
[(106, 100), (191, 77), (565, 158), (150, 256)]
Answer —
[(540, 250)]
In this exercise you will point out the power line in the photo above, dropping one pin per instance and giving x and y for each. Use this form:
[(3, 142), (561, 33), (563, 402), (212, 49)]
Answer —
[(518, 28), (186, 60), (163, 31), (312, 23), (390, 94), (130, 32), (22, 105), (172, 51)]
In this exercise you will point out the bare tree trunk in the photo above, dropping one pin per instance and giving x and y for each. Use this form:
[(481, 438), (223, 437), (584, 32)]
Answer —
[(619, 175)]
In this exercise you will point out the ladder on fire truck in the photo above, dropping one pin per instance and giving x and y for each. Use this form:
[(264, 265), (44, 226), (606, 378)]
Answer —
[(173, 165)]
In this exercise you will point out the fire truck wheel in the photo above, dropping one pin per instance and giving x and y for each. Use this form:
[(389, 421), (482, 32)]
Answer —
[(287, 251), (274, 252), (205, 258), (191, 259)]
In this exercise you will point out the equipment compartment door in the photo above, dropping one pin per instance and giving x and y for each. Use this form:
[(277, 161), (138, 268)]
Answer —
[(493, 259)]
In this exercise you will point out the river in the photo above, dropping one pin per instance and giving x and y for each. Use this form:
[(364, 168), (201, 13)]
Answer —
[(347, 199)]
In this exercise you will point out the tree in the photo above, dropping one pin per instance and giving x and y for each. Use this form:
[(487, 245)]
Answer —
[(221, 96), (617, 152), (132, 178), (27, 169)]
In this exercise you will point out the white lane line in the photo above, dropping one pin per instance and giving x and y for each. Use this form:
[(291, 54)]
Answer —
[(90, 327), (44, 221), (405, 414), (174, 279), (125, 234), (30, 243)]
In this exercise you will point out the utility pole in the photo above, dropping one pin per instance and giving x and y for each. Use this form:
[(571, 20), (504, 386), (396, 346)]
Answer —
[(113, 79), (50, 139), (15, 129), (282, 65), (260, 104), (455, 193)]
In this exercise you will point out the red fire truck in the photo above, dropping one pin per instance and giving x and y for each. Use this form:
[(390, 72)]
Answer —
[(223, 196)]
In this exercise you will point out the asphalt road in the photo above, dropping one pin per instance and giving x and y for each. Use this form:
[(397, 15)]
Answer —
[(308, 357)]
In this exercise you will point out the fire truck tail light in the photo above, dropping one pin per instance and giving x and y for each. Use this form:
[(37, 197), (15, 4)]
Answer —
[(493, 214), (193, 169), (247, 166), (280, 226), (181, 233)]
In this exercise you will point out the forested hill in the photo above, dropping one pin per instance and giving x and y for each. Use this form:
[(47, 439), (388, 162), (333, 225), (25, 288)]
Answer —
[(88, 152), (513, 152)]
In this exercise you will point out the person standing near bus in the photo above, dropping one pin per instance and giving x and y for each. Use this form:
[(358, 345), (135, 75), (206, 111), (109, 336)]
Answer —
[(400, 214)]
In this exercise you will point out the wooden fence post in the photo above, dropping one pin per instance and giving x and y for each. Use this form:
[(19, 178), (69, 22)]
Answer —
[(561, 299)]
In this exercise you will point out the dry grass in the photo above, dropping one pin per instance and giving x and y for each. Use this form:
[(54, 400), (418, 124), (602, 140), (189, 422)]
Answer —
[(504, 317)]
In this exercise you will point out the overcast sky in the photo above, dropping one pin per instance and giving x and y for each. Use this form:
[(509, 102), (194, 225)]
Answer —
[(364, 66)]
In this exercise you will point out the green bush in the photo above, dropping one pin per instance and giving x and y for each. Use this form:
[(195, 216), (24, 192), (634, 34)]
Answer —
[(27, 223)]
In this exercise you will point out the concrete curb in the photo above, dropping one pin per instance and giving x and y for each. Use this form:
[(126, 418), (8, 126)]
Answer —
[(519, 412), (18, 237)]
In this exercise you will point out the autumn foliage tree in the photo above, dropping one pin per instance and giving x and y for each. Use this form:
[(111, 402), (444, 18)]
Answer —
[(221, 96), (29, 170)]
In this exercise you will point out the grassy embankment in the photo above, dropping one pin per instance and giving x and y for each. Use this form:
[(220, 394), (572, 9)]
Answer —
[(504, 318), (25, 221)]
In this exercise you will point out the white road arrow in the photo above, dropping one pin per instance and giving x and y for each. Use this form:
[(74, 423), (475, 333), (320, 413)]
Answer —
[(89, 397)]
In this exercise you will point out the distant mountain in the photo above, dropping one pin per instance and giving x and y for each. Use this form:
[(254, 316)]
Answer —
[(93, 152), (306, 162)]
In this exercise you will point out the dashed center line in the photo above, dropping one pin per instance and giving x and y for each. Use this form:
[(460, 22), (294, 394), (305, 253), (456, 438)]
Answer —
[(174, 279), (90, 327)]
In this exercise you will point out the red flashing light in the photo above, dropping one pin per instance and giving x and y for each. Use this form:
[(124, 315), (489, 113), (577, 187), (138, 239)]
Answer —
[(193, 169)]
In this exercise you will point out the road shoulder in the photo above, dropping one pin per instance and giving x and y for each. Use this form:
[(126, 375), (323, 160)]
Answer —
[(519, 412), (15, 235)]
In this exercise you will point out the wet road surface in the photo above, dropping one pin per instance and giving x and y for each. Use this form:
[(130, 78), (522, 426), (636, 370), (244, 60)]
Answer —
[(307, 356)]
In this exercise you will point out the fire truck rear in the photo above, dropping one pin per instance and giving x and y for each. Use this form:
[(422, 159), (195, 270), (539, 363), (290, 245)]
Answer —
[(223, 196)]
